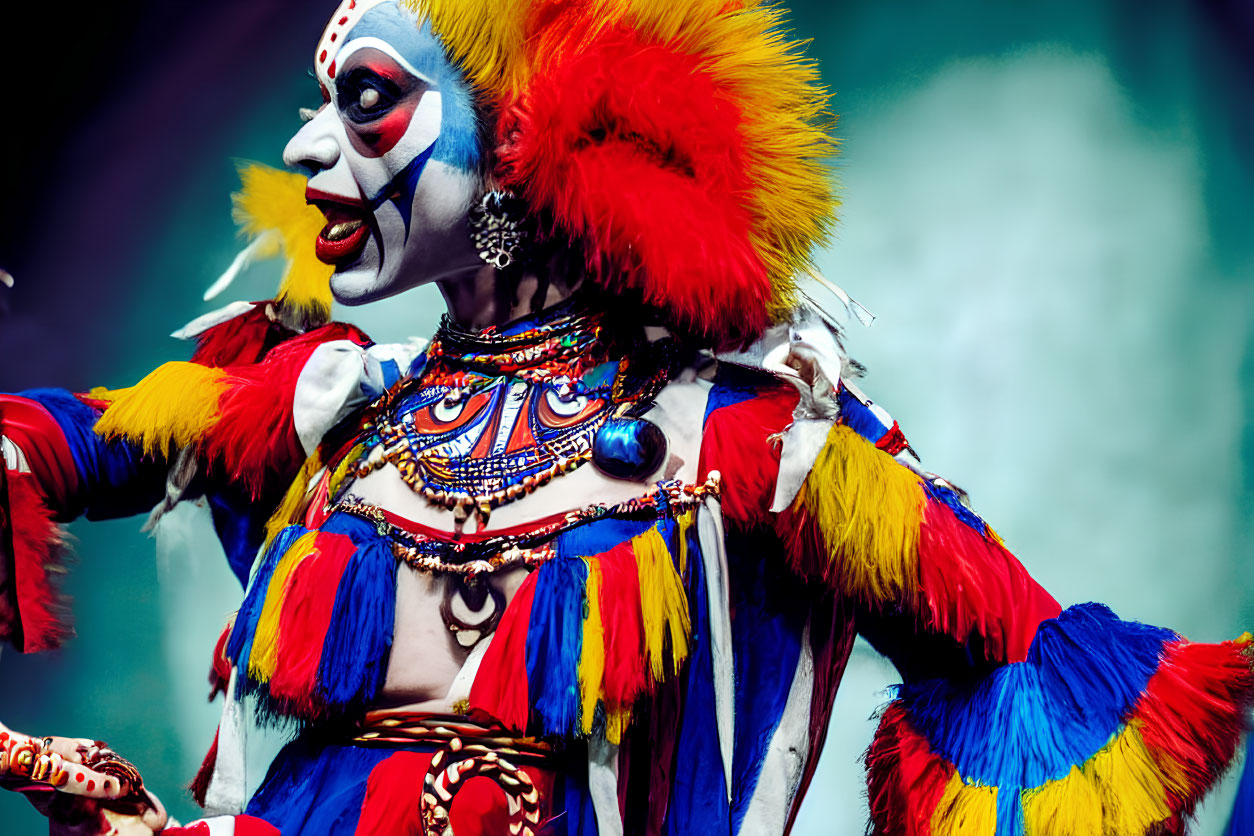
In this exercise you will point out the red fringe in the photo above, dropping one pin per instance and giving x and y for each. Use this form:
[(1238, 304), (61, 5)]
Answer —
[(893, 441), (220, 669), (624, 676), (634, 150), (804, 546), (500, 687), (737, 443), (905, 779), (1194, 710), (304, 620), (970, 584), (1191, 717), (254, 441), (239, 340), (37, 557), (199, 787)]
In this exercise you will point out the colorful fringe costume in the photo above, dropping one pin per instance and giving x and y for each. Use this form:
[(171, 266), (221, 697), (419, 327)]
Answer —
[(665, 664)]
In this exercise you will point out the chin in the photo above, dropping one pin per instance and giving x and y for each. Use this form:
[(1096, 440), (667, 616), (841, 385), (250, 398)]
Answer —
[(357, 286), (366, 279)]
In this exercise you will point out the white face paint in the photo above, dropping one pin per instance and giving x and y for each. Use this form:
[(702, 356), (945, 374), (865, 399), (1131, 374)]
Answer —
[(393, 154)]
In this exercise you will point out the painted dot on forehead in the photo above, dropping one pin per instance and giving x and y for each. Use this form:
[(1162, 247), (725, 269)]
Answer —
[(333, 37)]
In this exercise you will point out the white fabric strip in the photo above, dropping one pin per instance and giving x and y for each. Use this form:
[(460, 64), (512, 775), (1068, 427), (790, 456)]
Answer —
[(228, 790), (714, 562), (786, 758), (12, 456), (603, 785), (219, 825)]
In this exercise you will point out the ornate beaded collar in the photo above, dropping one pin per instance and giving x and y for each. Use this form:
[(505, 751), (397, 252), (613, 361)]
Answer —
[(496, 414)]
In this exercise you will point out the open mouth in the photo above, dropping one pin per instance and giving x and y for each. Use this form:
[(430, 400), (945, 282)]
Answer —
[(347, 230)]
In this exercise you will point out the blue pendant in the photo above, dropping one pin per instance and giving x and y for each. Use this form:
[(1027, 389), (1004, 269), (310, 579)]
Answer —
[(629, 448)]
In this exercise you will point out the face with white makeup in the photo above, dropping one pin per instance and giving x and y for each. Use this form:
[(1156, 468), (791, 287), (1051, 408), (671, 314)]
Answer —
[(394, 154)]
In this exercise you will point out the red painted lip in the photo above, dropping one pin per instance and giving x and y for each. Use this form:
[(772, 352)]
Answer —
[(340, 210)]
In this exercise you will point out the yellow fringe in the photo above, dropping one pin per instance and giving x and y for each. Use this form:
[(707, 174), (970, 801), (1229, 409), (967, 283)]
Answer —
[(342, 470), (592, 654), (1118, 792), (100, 393), (272, 203), (965, 810), (869, 509), (292, 508), (264, 655), (173, 407), (683, 524), (663, 604), (616, 722)]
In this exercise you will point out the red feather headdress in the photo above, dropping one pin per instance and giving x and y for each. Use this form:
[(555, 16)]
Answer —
[(682, 145)]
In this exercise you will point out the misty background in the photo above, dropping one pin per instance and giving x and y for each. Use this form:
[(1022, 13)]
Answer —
[(1047, 205)]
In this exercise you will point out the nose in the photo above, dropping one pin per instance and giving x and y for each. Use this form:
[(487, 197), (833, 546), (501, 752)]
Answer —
[(313, 147)]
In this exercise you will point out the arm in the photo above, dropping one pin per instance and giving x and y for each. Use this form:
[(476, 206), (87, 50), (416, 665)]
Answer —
[(56, 469), (232, 420), (1014, 715)]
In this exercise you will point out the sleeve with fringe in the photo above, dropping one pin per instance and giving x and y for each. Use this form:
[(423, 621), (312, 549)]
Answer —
[(221, 424), (1015, 716), (62, 470)]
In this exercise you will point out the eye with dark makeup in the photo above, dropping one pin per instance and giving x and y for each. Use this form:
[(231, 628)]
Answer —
[(364, 95)]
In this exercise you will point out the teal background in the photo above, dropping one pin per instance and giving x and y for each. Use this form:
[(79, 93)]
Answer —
[(1047, 205)]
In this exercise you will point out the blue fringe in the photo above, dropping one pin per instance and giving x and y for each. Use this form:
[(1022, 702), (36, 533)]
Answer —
[(858, 417), (358, 644), (1029, 722), (734, 384), (115, 478), (240, 644), (315, 790), (949, 497), (1241, 823), (767, 626), (574, 814), (1009, 811), (698, 797), (554, 644), (598, 536)]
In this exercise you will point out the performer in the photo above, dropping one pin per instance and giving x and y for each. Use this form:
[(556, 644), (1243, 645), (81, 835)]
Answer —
[(592, 559)]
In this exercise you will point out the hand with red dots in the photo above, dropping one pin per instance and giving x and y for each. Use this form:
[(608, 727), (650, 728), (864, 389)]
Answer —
[(81, 785)]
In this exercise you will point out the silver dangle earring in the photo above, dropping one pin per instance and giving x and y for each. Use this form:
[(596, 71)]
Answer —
[(498, 228)]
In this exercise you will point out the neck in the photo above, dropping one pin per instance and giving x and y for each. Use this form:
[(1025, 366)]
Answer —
[(489, 298)]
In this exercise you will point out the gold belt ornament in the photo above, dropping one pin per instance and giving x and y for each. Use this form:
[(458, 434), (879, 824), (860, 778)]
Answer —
[(466, 751)]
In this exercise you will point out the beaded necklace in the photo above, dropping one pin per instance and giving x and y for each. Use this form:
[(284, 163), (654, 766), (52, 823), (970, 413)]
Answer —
[(496, 414)]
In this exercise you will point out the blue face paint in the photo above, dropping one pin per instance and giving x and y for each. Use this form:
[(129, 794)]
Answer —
[(459, 144), (389, 157), (403, 186)]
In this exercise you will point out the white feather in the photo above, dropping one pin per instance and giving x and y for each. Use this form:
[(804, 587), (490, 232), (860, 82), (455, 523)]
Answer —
[(245, 258)]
